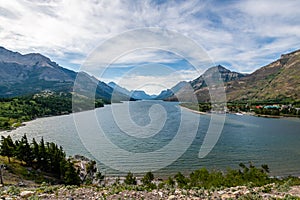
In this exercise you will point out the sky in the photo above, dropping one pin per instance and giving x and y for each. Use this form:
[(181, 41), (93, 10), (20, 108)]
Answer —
[(240, 35)]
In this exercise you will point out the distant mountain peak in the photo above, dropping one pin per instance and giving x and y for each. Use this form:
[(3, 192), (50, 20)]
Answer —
[(37, 56), (218, 72), (4, 49), (32, 73), (6, 52), (135, 94), (165, 94), (30, 59), (112, 84), (140, 94), (217, 68), (276, 81)]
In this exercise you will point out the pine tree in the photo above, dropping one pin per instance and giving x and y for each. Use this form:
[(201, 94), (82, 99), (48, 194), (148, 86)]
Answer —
[(7, 147), (71, 175), (23, 151), (36, 151), (43, 155)]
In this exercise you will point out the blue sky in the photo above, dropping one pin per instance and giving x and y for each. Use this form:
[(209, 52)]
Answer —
[(241, 35)]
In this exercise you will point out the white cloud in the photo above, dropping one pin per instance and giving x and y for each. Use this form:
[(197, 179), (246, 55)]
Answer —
[(147, 55), (243, 34), (153, 84)]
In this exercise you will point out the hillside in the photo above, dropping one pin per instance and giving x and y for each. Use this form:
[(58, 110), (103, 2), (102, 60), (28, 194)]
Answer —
[(33, 73), (14, 111), (214, 75), (165, 94), (277, 81), (198, 87)]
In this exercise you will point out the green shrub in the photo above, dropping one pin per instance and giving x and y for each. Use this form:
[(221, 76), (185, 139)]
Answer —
[(181, 180), (147, 180), (12, 190), (170, 182), (130, 179)]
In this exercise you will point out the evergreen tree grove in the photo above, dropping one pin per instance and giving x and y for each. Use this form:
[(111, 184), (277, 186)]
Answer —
[(47, 157)]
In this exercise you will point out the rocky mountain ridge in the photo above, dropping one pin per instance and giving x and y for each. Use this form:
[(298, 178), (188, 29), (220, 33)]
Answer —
[(198, 88), (277, 81), (33, 73), (135, 94)]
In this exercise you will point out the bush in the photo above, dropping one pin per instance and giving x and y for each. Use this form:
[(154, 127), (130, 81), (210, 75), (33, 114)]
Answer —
[(12, 190), (130, 179), (170, 182), (148, 178), (181, 180)]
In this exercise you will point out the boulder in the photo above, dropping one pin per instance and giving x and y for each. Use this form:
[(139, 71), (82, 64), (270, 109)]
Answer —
[(26, 194), (172, 197)]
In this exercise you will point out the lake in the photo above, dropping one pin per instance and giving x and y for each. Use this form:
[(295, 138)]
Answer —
[(133, 136)]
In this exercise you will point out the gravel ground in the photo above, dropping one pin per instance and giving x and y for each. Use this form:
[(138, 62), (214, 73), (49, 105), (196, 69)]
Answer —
[(89, 192)]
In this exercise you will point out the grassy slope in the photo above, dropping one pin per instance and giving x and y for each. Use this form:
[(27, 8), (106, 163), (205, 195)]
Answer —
[(14, 172), (278, 80)]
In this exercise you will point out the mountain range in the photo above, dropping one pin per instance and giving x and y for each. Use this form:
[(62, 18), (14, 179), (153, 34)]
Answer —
[(135, 94), (277, 81), (33, 73), (198, 87)]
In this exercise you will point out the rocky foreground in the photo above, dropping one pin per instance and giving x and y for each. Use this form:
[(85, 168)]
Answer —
[(271, 191)]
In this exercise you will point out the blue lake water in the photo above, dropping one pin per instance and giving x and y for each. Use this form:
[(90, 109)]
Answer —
[(144, 135)]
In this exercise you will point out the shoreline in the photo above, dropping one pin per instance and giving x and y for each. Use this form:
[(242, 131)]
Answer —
[(189, 109), (24, 123), (244, 113), (194, 111)]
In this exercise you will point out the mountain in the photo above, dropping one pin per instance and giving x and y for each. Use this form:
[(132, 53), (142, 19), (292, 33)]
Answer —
[(32, 73), (141, 95), (216, 74), (166, 94), (187, 91), (135, 94), (118, 88), (277, 81)]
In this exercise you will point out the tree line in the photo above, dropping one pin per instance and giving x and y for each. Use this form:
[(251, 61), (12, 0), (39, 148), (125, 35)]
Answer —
[(47, 157), (14, 111)]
